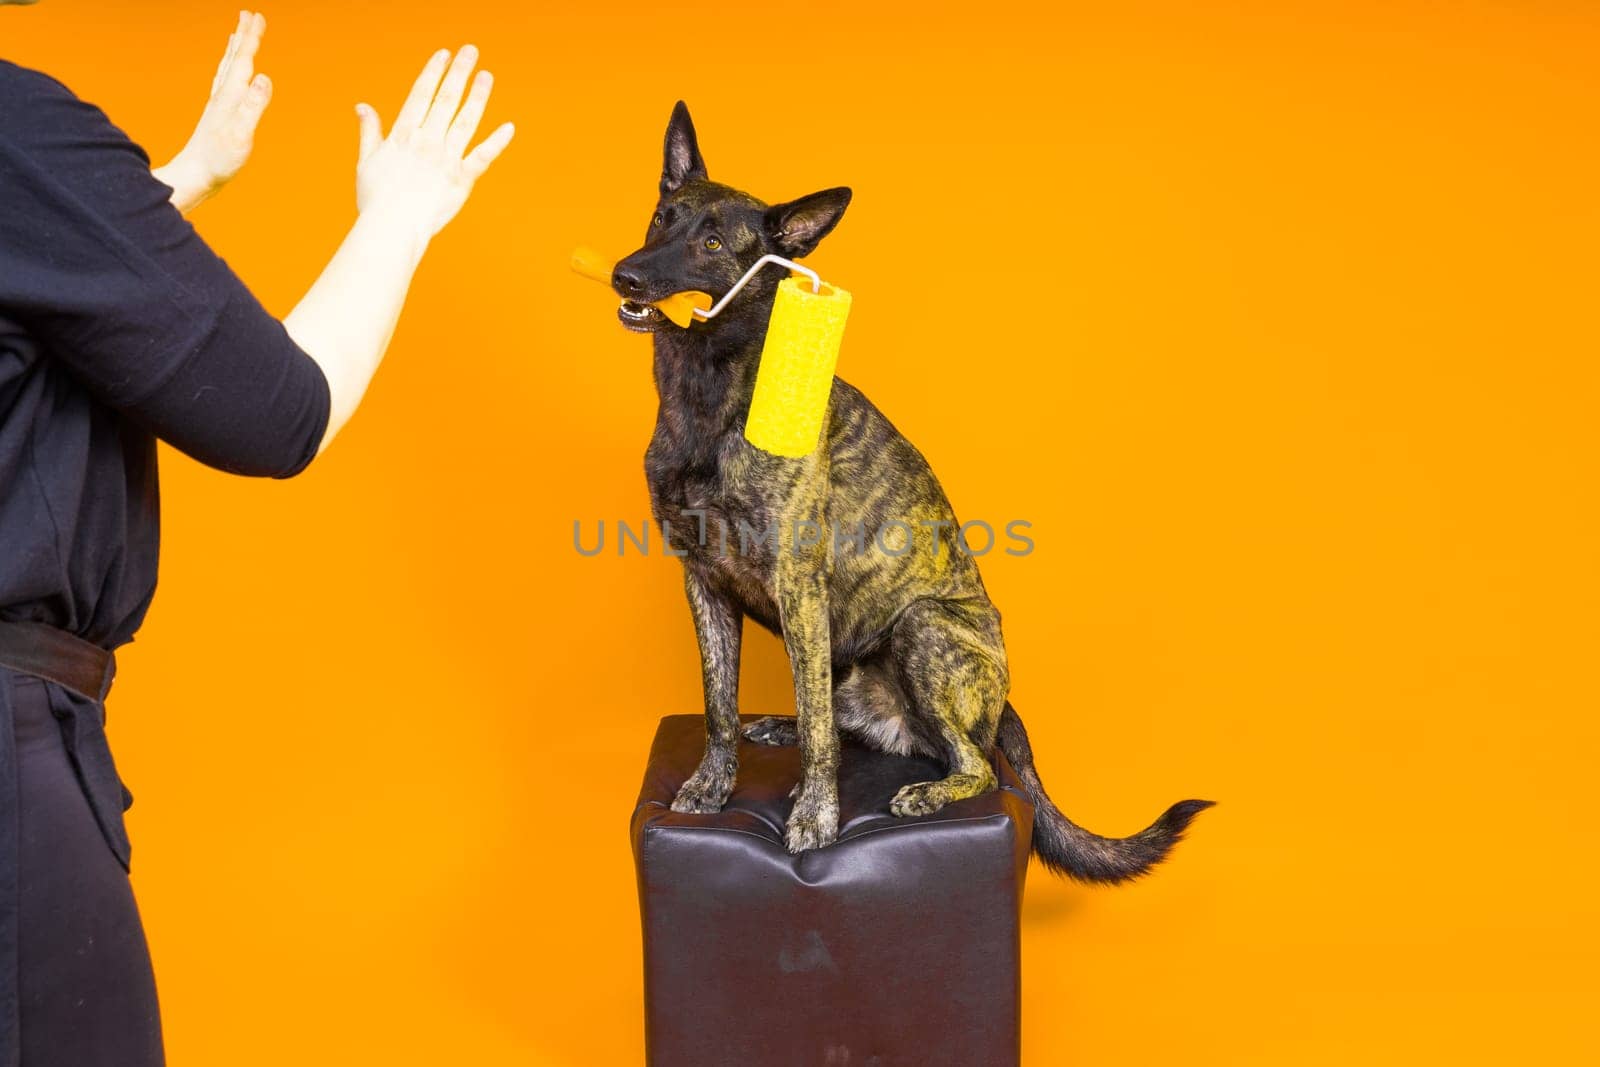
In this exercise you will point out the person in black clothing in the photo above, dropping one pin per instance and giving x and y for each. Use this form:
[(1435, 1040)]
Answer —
[(118, 326)]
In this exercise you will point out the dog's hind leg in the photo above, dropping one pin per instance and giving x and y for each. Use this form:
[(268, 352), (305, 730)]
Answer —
[(776, 730), (871, 707), (950, 663)]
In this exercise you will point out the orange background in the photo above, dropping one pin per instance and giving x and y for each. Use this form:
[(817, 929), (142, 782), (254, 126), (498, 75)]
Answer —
[(1276, 319)]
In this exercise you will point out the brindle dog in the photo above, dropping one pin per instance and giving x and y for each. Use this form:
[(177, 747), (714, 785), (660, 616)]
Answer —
[(890, 634)]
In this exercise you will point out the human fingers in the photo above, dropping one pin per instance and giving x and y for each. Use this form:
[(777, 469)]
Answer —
[(242, 67), (448, 98), (415, 109), (371, 131), (254, 104), (227, 55), (465, 125), (479, 159)]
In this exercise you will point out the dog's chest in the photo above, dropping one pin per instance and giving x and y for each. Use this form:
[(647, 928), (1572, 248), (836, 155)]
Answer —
[(720, 510), (702, 499)]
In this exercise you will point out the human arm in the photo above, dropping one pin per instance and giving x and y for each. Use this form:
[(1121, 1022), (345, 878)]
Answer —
[(409, 185), (223, 138), (96, 264)]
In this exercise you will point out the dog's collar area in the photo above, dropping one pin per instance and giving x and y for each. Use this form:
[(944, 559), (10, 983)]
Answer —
[(744, 280)]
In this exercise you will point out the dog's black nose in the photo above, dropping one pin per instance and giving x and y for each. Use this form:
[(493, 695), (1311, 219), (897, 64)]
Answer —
[(627, 282)]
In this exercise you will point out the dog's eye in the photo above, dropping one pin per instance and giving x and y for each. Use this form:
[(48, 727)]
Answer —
[(713, 243), (658, 220)]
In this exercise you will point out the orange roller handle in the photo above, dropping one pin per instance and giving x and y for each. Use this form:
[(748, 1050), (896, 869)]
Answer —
[(679, 307), (592, 265)]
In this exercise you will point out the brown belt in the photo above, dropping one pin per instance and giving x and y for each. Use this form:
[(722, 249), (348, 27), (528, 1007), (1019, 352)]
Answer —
[(57, 656)]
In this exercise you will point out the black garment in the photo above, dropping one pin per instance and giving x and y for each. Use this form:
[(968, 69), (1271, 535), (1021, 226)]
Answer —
[(117, 326), (79, 927)]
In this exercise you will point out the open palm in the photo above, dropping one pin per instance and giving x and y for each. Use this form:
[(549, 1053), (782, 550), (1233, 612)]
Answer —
[(221, 143), (423, 170)]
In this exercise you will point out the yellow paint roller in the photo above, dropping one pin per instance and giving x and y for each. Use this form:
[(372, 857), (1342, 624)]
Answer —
[(795, 379), (679, 307)]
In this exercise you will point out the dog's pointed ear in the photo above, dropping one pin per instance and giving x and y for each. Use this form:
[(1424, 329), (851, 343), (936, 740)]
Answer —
[(798, 226), (681, 160)]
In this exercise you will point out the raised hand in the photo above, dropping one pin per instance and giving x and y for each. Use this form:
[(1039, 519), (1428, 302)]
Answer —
[(225, 134), (422, 172), (408, 186)]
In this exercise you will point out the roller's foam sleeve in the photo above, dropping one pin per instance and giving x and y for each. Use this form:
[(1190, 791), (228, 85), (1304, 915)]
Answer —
[(795, 378)]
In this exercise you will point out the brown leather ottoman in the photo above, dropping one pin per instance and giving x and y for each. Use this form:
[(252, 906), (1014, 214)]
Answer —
[(898, 945)]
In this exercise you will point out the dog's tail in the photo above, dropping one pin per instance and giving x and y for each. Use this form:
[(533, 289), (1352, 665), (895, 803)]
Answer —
[(1068, 848)]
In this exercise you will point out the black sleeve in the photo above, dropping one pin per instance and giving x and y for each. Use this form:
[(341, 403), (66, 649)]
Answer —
[(106, 274)]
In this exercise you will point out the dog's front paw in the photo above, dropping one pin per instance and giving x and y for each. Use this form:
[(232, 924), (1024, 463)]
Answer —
[(812, 825), (773, 730), (707, 789), (699, 797), (920, 798)]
